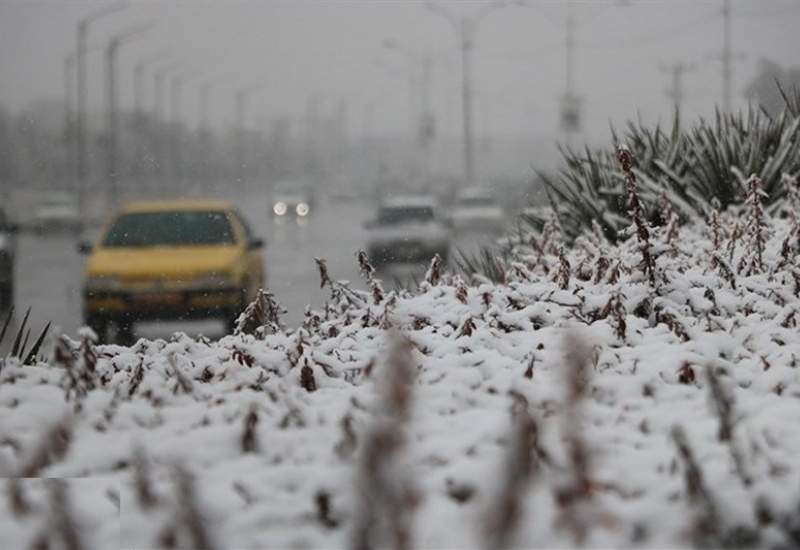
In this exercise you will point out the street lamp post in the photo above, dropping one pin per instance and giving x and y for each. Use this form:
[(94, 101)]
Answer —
[(241, 98), (159, 81), (204, 163), (81, 164), (175, 126), (205, 93), (141, 125), (112, 137), (422, 121), (159, 118), (139, 80), (69, 117), (205, 89), (465, 28)]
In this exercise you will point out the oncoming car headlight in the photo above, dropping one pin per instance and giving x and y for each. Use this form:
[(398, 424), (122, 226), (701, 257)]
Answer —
[(302, 209), (103, 282), (279, 208)]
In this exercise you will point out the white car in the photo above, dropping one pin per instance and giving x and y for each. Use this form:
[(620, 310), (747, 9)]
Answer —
[(477, 210), (57, 213), (407, 229)]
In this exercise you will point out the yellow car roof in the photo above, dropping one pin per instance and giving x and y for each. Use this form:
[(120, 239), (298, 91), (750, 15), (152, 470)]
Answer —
[(177, 204)]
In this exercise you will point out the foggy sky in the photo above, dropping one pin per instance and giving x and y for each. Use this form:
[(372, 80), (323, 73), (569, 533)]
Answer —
[(333, 49)]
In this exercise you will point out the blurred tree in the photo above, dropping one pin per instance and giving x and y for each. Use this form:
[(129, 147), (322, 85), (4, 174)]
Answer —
[(762, 89)]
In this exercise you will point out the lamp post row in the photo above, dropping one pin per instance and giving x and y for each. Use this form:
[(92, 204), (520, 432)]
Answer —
[(76, 125)]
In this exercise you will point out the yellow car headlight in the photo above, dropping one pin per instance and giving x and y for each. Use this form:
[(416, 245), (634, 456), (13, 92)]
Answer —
[(103, 282)]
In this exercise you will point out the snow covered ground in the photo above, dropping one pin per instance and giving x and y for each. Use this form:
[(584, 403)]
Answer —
[(577, 403)]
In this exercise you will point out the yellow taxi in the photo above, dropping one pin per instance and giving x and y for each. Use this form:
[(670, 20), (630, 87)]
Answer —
[(171, 260)]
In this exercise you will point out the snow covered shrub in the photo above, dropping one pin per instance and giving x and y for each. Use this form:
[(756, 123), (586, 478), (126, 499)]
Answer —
[(693, 165), (574, 403)]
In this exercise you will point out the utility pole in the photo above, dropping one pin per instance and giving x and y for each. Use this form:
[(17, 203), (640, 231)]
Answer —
[(466, 28), (112, 133), (675, 91), (81, 162)]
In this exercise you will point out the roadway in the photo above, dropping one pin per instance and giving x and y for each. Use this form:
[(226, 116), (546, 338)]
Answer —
[(49, 268)]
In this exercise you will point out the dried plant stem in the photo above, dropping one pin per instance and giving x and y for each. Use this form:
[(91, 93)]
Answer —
[(17, 501), (63, 522), (188, 512), (521, 466), (52, 448), (635, 210), (579, 488), (385, 498), (756, 228), (722, 398), (707, 523), (145, 496), (250, 442), (260, 317)]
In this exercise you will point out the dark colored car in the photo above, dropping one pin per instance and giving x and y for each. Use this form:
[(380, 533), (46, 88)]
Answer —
[(8, 247)]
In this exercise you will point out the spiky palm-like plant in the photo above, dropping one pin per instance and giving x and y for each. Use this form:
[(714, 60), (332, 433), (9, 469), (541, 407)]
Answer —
[(488, 263), (692, 169), (710, 159)]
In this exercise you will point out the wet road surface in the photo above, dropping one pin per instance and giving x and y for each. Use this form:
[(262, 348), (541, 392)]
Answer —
[(49, 268)]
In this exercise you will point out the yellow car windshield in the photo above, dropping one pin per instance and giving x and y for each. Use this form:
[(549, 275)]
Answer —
[(170, 228)]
